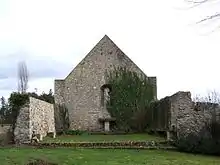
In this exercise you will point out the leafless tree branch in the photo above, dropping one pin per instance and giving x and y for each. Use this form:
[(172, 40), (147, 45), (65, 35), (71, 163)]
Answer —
[(209, 18), (211, 97), (196, 3)]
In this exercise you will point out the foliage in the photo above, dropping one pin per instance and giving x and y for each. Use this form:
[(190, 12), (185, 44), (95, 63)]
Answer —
[(44, 96), (104, 144), (201, 143), (16, 100), (106, 138), (9, 111), (61, 118), (158, 114), (75, 132), (130, 96), (4, 111)]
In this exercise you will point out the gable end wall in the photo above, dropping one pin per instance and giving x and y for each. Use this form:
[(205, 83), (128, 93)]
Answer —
[(81, 89)]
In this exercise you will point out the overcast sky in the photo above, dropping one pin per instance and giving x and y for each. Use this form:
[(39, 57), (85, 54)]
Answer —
[(161, 37)]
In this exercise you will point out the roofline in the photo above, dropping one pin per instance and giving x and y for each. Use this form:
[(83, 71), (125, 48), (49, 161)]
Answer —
[(85, 57), (117, 47)]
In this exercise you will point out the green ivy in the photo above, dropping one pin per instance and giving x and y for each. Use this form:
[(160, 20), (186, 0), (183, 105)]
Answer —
[(131, 96)]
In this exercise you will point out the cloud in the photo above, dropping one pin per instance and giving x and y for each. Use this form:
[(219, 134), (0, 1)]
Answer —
[(8, 84), (38, 67), (156, 36)]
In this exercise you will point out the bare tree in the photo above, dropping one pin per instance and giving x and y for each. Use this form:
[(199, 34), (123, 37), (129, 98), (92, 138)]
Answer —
[(22, 77), (202, 2), (211, 97)]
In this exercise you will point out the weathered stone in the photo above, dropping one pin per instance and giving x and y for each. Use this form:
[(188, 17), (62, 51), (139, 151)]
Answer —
[(81, 91), (22, 131), (184, 117), (37, 116)]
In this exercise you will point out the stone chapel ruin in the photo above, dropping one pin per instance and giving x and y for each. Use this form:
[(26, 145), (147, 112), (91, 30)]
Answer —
[(84, 93)]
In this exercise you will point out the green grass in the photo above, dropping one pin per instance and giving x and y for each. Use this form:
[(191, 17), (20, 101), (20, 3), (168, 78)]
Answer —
[(102, 138), (67, 156)]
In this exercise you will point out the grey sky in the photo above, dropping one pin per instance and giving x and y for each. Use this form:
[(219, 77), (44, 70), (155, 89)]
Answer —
[(159, 36)]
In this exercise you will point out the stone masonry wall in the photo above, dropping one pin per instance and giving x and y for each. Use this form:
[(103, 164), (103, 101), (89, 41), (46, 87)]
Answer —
[(41, 116), (36, 116), (59, 88), (82, 89), (22, 132), (188, 117)]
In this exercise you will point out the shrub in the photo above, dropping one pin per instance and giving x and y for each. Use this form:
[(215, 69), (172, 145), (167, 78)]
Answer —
[(61, 118), (75, 132), (201, 143), (130, 97)]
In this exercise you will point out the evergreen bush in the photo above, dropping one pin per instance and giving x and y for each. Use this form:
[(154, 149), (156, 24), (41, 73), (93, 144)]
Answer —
[(131, 96)]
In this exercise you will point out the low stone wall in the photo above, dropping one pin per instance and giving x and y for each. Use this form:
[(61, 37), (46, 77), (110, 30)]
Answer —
[(35, 116), (181, 116)]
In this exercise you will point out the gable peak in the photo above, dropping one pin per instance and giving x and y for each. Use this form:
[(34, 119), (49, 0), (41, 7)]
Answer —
[(106, 38)]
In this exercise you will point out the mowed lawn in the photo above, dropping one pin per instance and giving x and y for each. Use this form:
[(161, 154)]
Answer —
[(103, 138), (67, 156)]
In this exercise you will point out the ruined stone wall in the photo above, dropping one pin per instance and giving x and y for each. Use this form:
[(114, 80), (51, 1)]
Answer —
[(185, 116), (41, 116), (158, 115), (82, 89), (59, 87), (22, 132), (35, 116)]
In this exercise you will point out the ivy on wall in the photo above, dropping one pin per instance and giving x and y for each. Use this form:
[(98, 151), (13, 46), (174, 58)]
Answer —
[(131, 96), (159, 114)]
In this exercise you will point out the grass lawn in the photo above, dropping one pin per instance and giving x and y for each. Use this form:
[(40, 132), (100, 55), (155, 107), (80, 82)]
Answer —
[(98, 138), (69, 156)]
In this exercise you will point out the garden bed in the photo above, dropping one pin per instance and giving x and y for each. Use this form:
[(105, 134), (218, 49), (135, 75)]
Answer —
[(103, 138), (115, 145)]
